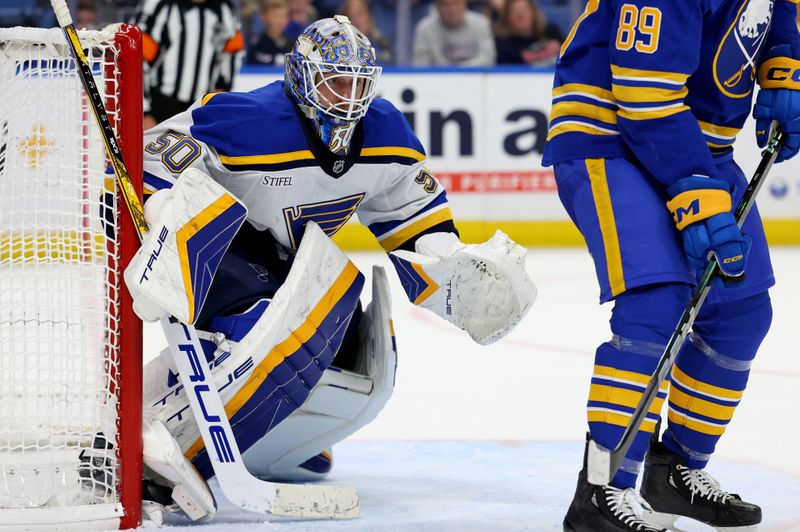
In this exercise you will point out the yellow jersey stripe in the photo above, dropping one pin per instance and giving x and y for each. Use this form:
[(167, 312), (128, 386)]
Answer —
[(608, 225), (286, 348), (276, 158), (649, 114), (719, 131), (185, 233), (656, 76), (390, 243), (574, 127), (626, 93), (587, 110), (393, 150), (590, 90), (706, 389)]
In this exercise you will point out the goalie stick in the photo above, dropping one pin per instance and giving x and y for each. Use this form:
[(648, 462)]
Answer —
[(602, 464), (238, 485)]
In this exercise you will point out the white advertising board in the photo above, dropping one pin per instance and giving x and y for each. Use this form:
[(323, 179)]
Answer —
[(484, 132)]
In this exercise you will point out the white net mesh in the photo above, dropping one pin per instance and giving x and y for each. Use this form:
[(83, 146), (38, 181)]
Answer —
[(59, 335)]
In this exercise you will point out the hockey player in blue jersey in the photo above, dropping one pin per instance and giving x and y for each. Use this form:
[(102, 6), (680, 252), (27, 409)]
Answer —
[(648, 98), (299, 365)]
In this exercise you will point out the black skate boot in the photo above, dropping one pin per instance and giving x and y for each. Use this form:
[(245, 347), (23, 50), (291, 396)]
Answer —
[(673, 490), (605, 508)]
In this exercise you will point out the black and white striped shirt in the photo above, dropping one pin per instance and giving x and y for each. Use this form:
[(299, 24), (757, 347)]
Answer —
[(190, 47)]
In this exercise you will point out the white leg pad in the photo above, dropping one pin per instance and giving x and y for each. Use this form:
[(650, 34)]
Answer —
[(340, 404), (163, 457)]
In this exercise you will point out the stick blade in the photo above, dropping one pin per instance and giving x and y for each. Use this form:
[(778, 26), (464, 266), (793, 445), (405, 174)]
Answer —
[(598, 465), (316, 502)]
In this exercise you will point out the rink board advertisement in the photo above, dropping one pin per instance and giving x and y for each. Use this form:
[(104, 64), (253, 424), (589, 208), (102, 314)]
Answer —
[(484, 132)]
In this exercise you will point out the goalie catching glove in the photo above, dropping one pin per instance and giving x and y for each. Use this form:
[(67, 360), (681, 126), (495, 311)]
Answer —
[(481, 288)]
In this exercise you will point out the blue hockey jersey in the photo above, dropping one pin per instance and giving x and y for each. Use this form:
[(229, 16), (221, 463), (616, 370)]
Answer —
[(665, 82)]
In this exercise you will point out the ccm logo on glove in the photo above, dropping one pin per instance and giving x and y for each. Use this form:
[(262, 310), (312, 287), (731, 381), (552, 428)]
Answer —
[(780, 73)]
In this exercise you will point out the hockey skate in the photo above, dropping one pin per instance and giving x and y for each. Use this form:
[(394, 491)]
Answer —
[(673, 490), (605, 508)]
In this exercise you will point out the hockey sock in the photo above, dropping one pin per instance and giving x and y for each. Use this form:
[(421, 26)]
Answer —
[(710, 374), (641, 322)]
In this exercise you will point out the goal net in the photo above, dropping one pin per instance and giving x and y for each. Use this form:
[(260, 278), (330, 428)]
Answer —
[(70, 349)]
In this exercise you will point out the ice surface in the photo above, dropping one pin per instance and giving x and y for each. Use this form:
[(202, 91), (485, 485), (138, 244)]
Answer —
[(490, 438)]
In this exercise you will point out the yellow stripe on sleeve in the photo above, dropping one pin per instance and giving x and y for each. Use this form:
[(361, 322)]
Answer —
[(391, 242), (608, 225), (720, 131)]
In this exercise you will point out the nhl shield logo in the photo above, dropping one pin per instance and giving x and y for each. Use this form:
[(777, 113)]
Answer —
[(338, 166)]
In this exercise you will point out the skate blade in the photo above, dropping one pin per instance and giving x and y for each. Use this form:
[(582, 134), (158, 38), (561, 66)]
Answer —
[(667, 521), (660, 520)]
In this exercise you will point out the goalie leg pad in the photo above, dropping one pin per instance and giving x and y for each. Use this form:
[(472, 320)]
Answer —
[(298, 449), (268, 373), (166, 465)]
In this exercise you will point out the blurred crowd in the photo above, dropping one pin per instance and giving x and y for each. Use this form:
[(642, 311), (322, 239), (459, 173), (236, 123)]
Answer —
[(430, 32)]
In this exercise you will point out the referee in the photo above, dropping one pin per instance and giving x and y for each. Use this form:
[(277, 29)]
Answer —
[(190, 48)]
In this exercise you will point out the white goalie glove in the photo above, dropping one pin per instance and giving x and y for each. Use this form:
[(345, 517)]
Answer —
[(481, 288)]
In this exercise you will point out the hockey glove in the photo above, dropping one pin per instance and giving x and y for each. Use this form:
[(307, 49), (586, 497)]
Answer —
[(701, 208), (481, 288), (779, 100)]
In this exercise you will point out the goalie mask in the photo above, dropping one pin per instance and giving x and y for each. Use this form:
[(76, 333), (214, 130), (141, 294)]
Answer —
[(331, 74)]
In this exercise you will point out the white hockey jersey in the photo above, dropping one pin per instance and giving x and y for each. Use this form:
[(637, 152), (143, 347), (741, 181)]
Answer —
[(264, 151)]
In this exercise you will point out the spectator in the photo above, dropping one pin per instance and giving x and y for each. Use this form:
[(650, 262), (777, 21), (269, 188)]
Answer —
[(452, 35), (301, 14), (524, 37), (182, 62), (273, 43), (86, 15), (361, 17)]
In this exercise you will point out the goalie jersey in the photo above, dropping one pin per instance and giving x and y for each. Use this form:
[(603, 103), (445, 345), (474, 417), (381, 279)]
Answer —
[(261, 148), (666, 82)]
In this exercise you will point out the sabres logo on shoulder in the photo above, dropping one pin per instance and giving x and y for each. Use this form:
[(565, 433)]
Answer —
[(737, 54)]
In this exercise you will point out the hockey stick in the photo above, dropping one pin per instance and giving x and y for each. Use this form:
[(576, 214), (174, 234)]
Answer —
[(236, 482), (602, 464)]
